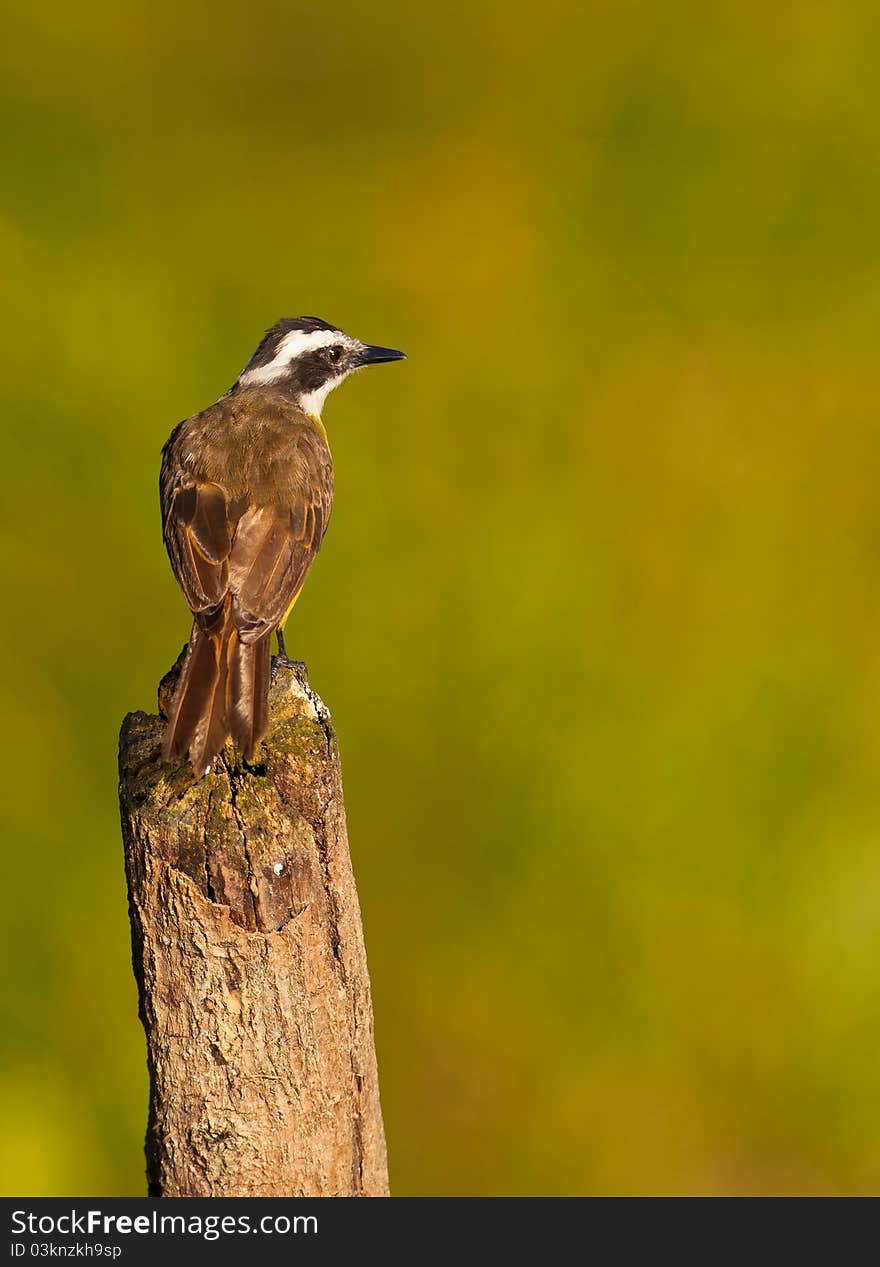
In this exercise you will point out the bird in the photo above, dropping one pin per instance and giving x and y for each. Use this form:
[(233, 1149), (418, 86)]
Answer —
[(246, 490)]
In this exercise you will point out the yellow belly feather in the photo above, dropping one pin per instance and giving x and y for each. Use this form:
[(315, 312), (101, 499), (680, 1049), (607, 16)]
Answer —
[(290, 608)]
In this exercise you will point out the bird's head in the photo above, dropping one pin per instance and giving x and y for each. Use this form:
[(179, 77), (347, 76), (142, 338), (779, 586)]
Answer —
[(307, 358)]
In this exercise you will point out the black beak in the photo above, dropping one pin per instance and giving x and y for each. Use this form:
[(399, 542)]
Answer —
[(370, 354)]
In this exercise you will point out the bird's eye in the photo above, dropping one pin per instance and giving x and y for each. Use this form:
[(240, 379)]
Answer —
[(334, 353)]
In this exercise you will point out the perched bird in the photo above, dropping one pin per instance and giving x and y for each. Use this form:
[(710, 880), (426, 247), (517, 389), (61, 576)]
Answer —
[(246, 490)]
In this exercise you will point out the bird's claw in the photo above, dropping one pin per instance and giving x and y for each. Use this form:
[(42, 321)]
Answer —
[(280, 662)]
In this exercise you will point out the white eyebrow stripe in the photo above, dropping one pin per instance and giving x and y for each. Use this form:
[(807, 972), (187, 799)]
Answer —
[(302, 340), (290, 347)]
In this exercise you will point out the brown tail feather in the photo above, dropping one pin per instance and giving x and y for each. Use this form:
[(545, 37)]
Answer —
[(194, 699), (223, 690), (212, 730), (247, 691)]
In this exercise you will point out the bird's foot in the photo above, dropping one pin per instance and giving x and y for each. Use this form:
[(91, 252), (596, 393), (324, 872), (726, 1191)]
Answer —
[(280, 662)]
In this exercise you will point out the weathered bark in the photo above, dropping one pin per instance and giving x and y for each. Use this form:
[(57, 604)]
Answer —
[(249, 957)]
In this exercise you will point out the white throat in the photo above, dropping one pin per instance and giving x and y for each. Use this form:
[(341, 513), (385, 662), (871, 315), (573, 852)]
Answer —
[(313, 402)]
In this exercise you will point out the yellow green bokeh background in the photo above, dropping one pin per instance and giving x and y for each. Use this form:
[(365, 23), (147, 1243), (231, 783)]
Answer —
[(598, 614)]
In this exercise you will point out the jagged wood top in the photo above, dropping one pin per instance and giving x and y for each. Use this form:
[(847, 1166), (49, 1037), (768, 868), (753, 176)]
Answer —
[(235, 831)]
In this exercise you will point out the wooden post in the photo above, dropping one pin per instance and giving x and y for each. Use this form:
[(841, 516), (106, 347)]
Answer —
[(249, 958)]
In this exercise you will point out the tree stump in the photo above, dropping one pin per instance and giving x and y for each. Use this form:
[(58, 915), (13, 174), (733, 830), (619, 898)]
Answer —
[(248, 951)]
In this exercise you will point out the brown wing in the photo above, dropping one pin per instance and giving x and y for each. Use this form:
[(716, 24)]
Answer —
[(272, 551), (259, 550), (198, 541)]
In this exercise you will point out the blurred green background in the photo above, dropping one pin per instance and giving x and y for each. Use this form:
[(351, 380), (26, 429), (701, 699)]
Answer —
[(598, 615)]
